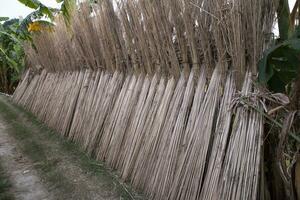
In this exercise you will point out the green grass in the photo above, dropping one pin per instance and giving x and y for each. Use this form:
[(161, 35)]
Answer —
[(4, 186), (35, 151), (31, 145)]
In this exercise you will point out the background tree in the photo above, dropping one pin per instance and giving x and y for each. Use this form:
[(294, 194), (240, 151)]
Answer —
[(11, 55), (279, 70), (15, 32)]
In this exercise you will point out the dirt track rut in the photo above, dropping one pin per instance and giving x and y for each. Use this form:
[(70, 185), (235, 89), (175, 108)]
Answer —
[(26, 184)]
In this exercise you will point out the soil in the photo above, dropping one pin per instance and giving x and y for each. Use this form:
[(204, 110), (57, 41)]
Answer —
[(73, 175), (26, 183)]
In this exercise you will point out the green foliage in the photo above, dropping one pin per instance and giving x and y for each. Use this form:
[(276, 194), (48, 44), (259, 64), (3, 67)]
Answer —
[(67, 9), (40, 9), (32, 17), (280, 64), (283, 12), (34, 4), (15, 32), (11, 55), (3, 19)]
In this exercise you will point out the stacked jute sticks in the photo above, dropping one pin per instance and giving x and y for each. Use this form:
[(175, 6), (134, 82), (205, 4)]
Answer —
[(150, 87)]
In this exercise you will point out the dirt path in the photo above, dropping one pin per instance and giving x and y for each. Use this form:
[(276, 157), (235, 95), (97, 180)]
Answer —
[(67, 173), (26, 185)]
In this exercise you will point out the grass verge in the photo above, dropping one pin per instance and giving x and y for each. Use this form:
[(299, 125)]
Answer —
[(31, 144), (5, 186), (31, 148)]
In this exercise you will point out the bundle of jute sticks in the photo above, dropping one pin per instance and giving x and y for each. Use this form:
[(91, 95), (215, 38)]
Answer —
[(151, 88)]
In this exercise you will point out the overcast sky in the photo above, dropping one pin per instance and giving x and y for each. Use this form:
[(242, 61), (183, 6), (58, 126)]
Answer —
[(12, 8), (292, 2)]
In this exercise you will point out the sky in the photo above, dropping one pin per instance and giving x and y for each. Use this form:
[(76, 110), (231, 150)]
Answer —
[(14, 9), (291, 2)]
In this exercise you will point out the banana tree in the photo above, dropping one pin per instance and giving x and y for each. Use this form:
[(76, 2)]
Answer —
[(11, 55), (13, 33), (67, 8), (40, 11), (279, 67), (279, 70)]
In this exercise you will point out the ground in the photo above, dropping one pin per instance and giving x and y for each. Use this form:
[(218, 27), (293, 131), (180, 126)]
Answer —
[(37, 163)]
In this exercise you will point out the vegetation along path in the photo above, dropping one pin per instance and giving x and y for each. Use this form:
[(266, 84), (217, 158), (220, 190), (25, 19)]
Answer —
[(39, 164)]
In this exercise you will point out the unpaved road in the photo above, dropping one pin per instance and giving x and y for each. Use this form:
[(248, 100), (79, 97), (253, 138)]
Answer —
[(42, 165), (26, 183)]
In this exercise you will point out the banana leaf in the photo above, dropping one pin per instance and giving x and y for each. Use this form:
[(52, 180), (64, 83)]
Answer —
[(280, 65)]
